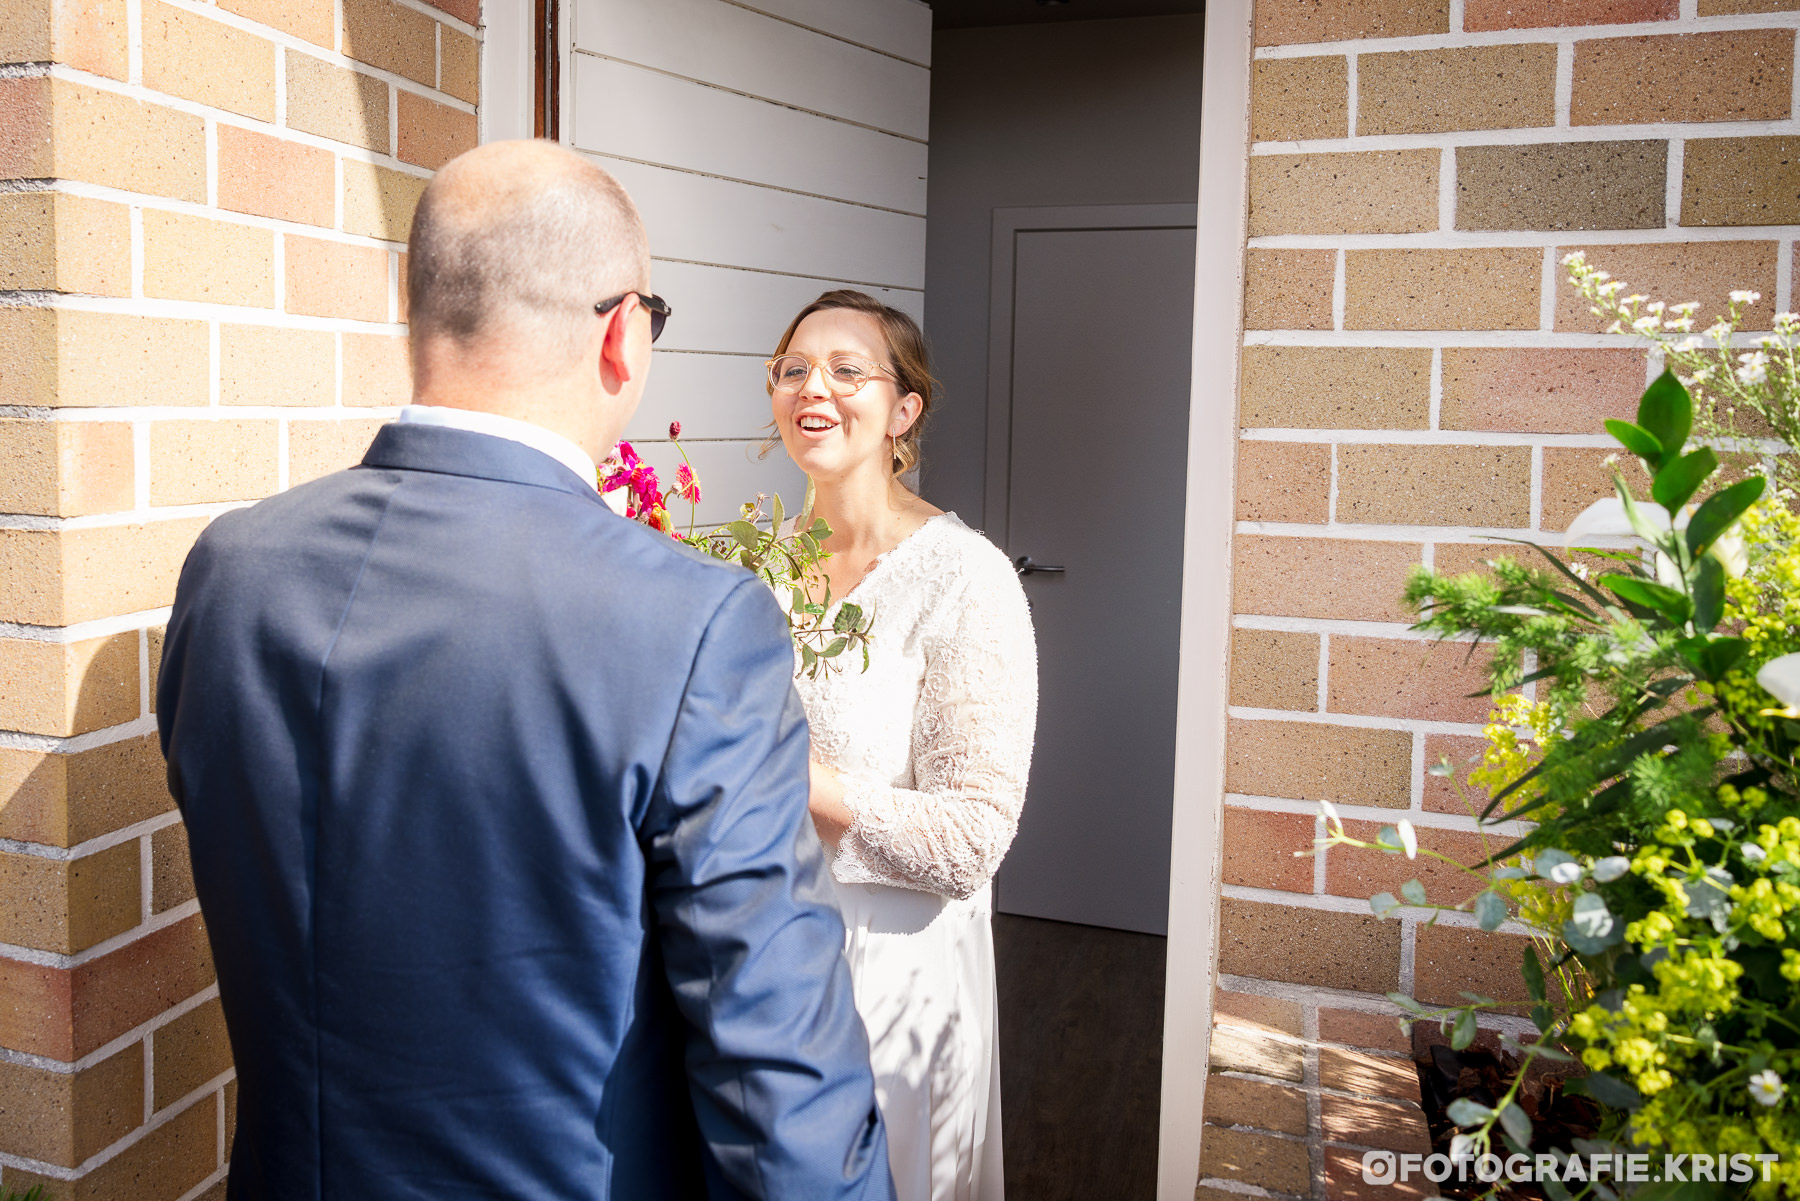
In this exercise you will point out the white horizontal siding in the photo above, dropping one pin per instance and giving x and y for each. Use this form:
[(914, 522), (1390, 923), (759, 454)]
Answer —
[(776, 150), (744, 312), (706, 220), (898, 27), (638, 114), (712, 395), (733, 47)]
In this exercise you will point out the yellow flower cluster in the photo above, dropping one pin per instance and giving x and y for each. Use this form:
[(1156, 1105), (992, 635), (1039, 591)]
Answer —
[(1507, 755), (1762, 599)]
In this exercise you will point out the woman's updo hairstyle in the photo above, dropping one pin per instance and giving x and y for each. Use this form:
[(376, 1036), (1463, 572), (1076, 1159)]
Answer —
[(907, 356)]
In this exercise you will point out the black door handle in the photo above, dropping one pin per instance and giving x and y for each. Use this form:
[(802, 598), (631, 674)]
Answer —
[(1024, 566)]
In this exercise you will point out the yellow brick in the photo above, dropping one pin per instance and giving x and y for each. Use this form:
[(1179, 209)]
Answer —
[(317, 448), (385, 35), (431, 134), (1379, 192), (71, 357), (379, 202), (67, 906), (55, 242), (309, 20), (1477, 87), (264, 365), (178, 1155), (66, 1117), (59, 577), (65, 799), (377, 372), (202, 60), (345, 106), (197, 462), (65, 468), (59, 129), (197, 258), (1483, 289), (460, 72), (63, 688), (1296, 98), (89, 35)]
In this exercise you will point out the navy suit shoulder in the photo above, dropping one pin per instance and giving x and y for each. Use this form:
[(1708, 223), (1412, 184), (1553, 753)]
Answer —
[(497, 811)]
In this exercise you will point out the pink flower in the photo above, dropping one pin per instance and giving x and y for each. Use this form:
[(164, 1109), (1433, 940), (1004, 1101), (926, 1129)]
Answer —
[(687, 485), (674, 430)]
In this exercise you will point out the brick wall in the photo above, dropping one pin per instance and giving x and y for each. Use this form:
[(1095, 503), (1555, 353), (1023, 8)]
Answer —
[(202, 213), (1415, 376)]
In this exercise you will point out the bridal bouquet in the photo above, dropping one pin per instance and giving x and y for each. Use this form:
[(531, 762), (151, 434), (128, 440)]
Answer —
[(786, 561)]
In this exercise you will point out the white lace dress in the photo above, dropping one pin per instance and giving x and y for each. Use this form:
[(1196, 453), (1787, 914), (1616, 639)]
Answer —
[(934, 742)]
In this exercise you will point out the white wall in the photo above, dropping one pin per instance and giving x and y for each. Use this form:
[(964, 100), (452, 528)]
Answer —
[(777, 150)]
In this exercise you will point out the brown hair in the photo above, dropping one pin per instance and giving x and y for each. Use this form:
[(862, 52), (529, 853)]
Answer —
[(907, 355)]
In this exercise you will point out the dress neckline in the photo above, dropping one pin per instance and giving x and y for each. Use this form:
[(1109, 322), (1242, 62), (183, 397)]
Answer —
[(881, 560)]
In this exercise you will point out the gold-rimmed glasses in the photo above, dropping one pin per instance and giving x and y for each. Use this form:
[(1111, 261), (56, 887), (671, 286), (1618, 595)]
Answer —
[(844, 373)]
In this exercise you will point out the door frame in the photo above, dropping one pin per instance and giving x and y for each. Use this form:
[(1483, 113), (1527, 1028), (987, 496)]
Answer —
[(1196, 838), (506, 110), (1008, 224)]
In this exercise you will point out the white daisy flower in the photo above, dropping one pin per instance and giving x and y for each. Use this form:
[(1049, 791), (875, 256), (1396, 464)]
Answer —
[(1766, 1088)]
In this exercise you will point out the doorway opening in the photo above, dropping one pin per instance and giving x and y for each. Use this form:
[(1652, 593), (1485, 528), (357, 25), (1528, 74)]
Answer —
[(1059, 303)]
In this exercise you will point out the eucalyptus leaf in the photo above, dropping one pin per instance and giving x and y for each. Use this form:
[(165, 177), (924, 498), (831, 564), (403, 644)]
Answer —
[(1516, 1123), (747, 535), (1490, 910), (1610, 868), (1465, 1112), (1557, 866), (1383, 903), (775, 514), (834, 648), (1463, 1033), (1414, 892)]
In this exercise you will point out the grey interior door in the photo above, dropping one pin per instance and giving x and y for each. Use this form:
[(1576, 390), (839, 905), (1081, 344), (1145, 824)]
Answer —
[(1095, 458)]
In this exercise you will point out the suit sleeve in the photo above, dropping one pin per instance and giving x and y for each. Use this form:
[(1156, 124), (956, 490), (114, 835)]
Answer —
[(777, 1058)]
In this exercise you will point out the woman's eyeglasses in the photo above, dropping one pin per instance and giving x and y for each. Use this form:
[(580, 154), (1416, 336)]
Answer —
[(844, 373), (659, 310)]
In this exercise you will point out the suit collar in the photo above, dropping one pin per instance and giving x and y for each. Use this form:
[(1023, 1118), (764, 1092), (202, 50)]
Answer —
[(448, 451)]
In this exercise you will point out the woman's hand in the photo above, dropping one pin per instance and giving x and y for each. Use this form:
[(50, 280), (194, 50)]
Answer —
[(831, 817)]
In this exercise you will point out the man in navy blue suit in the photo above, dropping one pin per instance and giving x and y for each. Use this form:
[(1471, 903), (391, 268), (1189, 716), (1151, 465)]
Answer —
[(496, 800)]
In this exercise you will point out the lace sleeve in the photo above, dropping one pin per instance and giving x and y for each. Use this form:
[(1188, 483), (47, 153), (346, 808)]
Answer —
[(971, 750)]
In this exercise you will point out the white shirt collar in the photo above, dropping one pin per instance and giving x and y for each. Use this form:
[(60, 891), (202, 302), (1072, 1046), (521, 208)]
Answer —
[(495, 426)]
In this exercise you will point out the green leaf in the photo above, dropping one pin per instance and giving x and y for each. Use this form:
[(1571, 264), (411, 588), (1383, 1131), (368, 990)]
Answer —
[(849, 616), (1679, 480), (820, 528), (1712, 657), (1533, 971), (1462, 1034), (1611, 1092), (1650, 595), (1405, 1002), (808, 657), (1638, 440), (1383, 903), (1542, 1018), (775, 514), (1666, 412), (1720, 511), (834, 648), (1516, 1123), (747, 535), (1414, 892), (1465, 1112), (1708, 587), (1490, 910)]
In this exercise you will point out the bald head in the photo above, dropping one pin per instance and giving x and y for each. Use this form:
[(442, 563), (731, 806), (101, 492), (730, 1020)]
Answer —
[(516, 241)]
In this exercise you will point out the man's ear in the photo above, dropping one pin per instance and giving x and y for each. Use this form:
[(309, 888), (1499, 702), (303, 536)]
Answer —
[(617, 364)]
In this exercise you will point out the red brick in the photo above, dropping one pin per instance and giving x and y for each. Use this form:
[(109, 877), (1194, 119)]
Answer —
[(1256, 1013), (1481, 15), (1260, 849), (1357, 1028), (1393, 677), (1374, 1124), (1361, 874), (1371, 1075)]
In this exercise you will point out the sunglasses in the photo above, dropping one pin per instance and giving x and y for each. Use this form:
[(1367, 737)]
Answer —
[(659, 310)]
